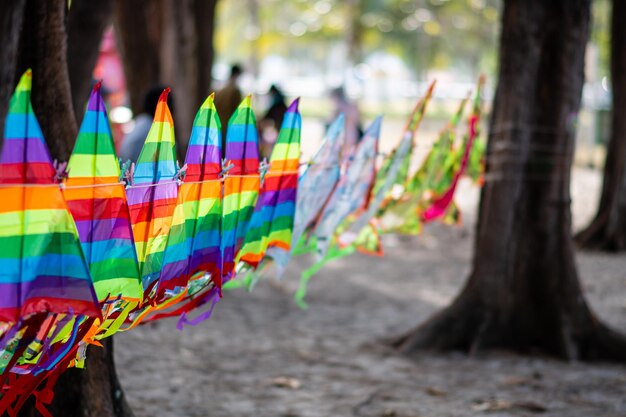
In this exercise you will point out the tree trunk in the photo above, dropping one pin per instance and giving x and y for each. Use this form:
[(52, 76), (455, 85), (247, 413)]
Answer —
[(43, 47), (174, 47), (608, 229), (523, 292), (86, 25), (11, 16), (138, 25), (95, 391)]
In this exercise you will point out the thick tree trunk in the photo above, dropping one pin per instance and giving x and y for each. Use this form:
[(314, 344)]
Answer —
[(95, 391), (523, 292), (138, 25), (608, 229), (86, 25), (11, 16), (204, 14), (170, 43), (43, 47)]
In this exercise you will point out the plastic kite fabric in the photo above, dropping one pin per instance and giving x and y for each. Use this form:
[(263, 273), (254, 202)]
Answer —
[(90, 257), (97, 201), (42, 268), (241, 185), (46, 291), (272, 221), (315, 186), (353, 191), (152, 196), (393, 172), (442, 203), (193, 246), (402, 213)]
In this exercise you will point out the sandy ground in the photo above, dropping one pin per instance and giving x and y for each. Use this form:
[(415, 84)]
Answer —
[(260, 355)]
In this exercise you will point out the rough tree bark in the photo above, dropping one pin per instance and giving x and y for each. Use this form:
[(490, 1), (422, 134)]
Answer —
[(11, 16), (94, 392), (138, 26), (170, 43), (608, 229), (85, 26), (43, 47), (523, 292)]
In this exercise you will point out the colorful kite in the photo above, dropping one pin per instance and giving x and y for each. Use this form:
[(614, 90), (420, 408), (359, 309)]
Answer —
[(314, 188), (272, 221), (442, 203), (45, 282), (393, 172), (97, 200), (351, 194), (193, 246), (241, 184), (153, 193), (42, 266)]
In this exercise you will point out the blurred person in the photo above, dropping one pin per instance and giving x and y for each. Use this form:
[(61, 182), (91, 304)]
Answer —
[(353, 131), (133, 141), (270, 123), (227, 99)]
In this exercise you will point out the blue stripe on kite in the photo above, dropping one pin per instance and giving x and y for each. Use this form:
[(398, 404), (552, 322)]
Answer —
[(241, 133), (50, 264), (198, 134), (14, 126)]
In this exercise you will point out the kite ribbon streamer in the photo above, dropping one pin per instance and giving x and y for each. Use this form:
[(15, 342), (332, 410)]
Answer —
[(441, 204)]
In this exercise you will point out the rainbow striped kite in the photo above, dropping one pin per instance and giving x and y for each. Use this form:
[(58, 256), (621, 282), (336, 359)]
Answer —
[(272, 221), (152, 196), (241, 185), (194, 242), (97, 201), (42, 268), (393, 172)]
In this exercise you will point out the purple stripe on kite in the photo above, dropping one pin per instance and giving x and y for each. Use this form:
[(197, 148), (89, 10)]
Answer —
[(284, 196), (103, 229), (94, 104), (13, 152), (143, 194), (44, 286), (211, 154), (235, 150)]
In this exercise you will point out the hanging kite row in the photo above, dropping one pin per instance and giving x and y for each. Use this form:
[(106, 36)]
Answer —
[(100, 250)]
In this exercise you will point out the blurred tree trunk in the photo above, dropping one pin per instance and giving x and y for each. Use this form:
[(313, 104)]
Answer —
[(608, 229), (354, 32), (168, 42), (85, 27), (138, 26), (43, 47), (11, 16), (523, 292), (95, 391)]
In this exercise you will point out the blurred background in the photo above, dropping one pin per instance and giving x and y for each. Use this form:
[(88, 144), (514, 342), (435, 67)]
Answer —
[(383, 52)]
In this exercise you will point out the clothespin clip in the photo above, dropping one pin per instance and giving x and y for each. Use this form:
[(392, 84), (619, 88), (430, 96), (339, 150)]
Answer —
[(124, 168), (180, 175), (129, 174), (264, 166), (60, 170), (226, 166)]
